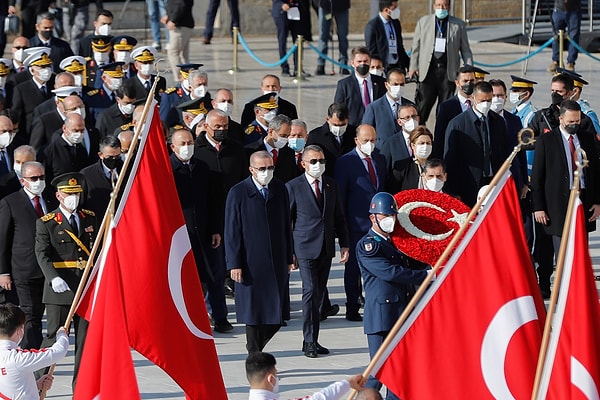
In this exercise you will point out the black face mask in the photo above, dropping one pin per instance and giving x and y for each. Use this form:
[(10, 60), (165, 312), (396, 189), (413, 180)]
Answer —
[(112, 162), (467, 88), (220, 135), (46, 34), (363, 69), (572, 129), (556, 98)]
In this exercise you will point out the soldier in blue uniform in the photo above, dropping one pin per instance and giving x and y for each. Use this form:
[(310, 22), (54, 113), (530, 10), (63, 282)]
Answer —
[(122, 46), (193, 113), (102, 48), (173, 96), (521, 91), (98, 100), (390, 277), (578, 83), (265, 109)]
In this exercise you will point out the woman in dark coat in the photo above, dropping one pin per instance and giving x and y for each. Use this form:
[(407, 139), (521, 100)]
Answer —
[(409, 175)]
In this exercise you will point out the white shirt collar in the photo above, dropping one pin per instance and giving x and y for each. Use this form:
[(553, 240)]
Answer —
[(261, 394)]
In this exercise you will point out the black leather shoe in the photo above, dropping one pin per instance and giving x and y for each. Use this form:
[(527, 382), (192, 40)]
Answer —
[(310, 350), (321, 349), (222, 326), (330, 312), (320, 70), (353, 316)]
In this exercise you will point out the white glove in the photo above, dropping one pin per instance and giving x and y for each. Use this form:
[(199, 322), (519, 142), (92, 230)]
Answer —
[(434, 277), (59, 285)]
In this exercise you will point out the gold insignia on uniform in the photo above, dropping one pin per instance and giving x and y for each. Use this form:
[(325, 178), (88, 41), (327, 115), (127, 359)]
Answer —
[(249, 130), (88, 212), (93, 92), (170, 90), (72, 182), (48, 217), (126, 126)]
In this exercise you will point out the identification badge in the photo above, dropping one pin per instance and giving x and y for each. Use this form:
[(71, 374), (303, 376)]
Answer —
[(440, 45), (293, 14)]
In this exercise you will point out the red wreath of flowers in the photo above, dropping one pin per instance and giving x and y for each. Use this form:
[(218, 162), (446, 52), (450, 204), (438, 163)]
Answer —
[(427, 221)]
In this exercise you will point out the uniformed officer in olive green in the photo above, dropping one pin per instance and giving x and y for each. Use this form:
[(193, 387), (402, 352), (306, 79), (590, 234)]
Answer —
[(63, 241)]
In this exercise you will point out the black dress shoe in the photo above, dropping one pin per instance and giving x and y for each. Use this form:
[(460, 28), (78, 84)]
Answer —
[(310, 350), (222, 326), (321, 349), (353, 316), (320, 70)]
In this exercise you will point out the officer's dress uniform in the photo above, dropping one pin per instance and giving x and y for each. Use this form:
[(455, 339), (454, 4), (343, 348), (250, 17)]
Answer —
[(169, 100), (254, 132), (62, 251), (389, 280)]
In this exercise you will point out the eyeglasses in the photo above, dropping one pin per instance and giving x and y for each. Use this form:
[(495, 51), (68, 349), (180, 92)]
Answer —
[(35, 178), (263, 169), (315, 160)]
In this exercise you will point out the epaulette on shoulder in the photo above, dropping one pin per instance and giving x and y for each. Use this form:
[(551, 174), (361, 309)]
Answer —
[(93, 92), (88, 212), (249, 130), (170, 90), (48, 217)]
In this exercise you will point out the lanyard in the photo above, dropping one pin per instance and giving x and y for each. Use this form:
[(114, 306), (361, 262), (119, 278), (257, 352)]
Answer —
[(440, 28)]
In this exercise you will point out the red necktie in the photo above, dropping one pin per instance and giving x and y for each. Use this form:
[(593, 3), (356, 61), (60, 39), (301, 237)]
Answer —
[(38, 206), (299, 161), (218, 147), (468, 102), (274, 152), (317, 190), (371, 171), (573, 155), (366, 97)]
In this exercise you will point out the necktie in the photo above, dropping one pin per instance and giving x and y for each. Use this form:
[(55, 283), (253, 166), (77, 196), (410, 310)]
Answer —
[(274, 153), (147, 85), (395, 112), (299, 161), (366, 97), (21, 69), (74, 152), (468, 103), (371, 171), (73, 223), (187, 169), (3, 165), (317, 190), (38, 206), (573, 155), (265, 192), (487, 170), (218, 147), (43, 89), (113, 98)]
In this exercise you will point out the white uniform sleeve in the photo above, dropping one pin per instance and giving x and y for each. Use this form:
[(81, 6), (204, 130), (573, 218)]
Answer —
[(332, 392), (32, 360)]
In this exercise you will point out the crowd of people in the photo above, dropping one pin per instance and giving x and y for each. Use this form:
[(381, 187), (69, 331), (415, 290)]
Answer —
[(267, 195)]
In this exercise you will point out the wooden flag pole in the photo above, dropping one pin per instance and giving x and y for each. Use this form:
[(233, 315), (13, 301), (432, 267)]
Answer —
[(525, 138), (560, 266), (108, 216)]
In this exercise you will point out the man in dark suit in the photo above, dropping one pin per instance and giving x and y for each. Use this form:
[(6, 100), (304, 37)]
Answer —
[(144, 79), (19, 269), (335, 136), (360, 174), (224, 101), (59, 48), (119, 113), (269, 84), (383, 36), (61, 80), (360, 89), (382, 114), (7, 135), (63, 240), (259, 250), (19, 71), (317, 216), (275, 143), (476, 147), (10, 183), (553, 168), (32, 92), (202, 205), (66, 153), (101, 176), (450, 108)]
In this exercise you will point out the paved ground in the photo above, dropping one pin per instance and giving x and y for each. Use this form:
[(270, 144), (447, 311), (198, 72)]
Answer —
[(301, 376)]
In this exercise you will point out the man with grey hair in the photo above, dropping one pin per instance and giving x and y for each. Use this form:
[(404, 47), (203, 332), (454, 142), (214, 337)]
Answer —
[(258, 249), (20, 274), (297, 140), (62, 79), (10, 182), (275, 143), (198, 83)]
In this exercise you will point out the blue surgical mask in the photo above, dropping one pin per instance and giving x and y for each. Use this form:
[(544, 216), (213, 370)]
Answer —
[(296, 144), (441, 13)]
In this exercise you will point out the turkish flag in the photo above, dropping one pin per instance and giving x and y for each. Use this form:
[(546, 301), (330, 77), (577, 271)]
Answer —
[(572, 365), (166, 317), (106, 369), (476, 332)]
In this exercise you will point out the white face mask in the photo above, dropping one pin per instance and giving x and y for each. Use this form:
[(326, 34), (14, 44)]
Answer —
[(17, 169), (422, 150), (115, 83), (71, 202), (395, 91), (378, 72), (367, 148), (101, 58), (280, 142), (270, 115), (37, 187), (19, 55), (410, 125), (387, 224), (264, 177), (226, 107), (80, 111), (434, 184), (104, 30), (5, 139), (122, 56), (127, 108), (78, 80), (497, 104), (338, 130), (514, 97), (76, 137), (316, 170), (186, 152), (146, 69), (2, 81), (395, 14), (199, 91), (186, 85), (484, 107), (276, 385), (44, 74)]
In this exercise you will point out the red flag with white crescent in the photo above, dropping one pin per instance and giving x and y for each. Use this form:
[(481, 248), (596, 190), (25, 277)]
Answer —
[(476, 332), (572, 365)]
